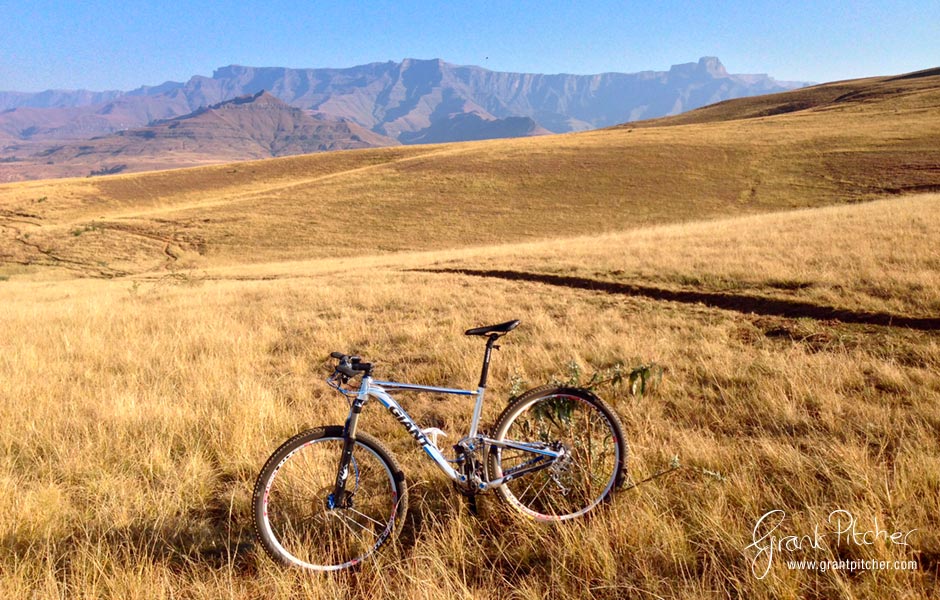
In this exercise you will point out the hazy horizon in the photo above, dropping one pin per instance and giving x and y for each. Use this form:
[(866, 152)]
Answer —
[(105, 45), (212, 73)]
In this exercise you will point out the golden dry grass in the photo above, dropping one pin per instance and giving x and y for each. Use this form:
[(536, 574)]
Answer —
[(138, 412), (797, 328)]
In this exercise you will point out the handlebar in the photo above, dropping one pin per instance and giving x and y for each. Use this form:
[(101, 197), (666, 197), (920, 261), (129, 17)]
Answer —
[(350, 366)]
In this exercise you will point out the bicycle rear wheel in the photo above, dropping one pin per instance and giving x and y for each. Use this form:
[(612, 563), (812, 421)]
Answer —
[(594, 458), (292, 517)]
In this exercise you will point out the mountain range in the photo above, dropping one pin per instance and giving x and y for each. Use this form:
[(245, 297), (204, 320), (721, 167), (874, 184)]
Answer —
[(413, 101), (245, 128)]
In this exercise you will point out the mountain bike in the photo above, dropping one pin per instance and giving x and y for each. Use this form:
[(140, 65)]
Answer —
[(330, 496)]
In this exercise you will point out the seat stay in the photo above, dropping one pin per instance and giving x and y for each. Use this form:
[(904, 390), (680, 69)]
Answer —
[(542, 459), (524, 446)]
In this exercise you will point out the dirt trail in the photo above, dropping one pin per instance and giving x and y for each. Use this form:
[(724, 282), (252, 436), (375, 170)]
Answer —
[(742, 303)]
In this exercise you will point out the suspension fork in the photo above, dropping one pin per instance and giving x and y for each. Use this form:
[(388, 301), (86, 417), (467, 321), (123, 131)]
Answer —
[(340, 498)]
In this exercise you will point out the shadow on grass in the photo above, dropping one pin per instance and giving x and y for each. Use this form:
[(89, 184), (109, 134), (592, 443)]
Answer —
[(737, 302), (207, 537)]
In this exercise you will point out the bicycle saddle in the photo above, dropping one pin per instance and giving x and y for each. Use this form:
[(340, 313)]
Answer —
[(501, 328)]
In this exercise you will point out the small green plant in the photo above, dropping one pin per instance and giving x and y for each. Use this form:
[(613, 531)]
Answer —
[(517, 385), (644, 376), (639, 379), (558, 409), (574, 373), (84, 229)]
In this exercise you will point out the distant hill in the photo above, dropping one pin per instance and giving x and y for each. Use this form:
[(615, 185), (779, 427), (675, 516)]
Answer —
[(473, 126), (827, 96), (84, 121), (410, 101), (245, 128)]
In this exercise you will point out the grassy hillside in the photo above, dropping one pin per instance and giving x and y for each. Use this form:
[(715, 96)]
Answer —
[(912, 90), (879, 138), (164, 332)]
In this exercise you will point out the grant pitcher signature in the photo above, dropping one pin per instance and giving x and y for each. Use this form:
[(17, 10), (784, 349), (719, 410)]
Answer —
[(767, 541)]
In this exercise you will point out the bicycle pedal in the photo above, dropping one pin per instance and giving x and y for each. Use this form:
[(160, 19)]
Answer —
[(434, 433)]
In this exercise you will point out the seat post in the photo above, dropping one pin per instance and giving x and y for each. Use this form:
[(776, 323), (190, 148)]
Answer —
[(490, 341)]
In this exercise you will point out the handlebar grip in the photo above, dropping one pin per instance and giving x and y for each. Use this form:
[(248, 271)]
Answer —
[(337, 355), (361, 366)]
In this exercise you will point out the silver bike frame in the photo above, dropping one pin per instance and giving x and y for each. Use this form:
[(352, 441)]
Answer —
[(379, 390)]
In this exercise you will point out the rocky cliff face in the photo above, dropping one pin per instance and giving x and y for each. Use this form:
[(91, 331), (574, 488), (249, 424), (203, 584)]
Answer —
[(397, 98)]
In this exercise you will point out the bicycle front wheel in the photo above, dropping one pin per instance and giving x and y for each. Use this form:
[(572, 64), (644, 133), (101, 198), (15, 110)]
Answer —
[(292, 514), (586, 431)]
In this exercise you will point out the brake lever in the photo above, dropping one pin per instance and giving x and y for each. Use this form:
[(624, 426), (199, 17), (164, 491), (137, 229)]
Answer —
[(337, 380)]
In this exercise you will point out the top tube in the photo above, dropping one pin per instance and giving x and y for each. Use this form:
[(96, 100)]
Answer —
[(394, 385)]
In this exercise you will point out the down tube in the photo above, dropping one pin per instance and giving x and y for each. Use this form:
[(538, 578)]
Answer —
[(412, 428)]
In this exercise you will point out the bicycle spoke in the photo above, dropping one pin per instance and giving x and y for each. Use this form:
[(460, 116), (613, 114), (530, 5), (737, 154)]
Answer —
[(346, 521), (367, 517), (542, 489), (525, 492)]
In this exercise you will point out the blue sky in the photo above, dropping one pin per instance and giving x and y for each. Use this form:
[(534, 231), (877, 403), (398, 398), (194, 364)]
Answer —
[(104, 44)]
